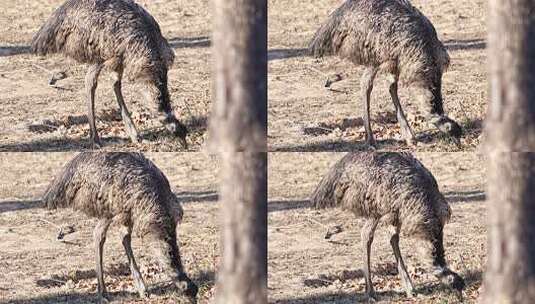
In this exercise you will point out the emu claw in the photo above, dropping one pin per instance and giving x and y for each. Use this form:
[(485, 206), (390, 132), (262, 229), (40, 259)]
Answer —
[(410, 294), (103, 299), (370, 141), (143, 294), (96, 143), (372, 144), (183, 142), (372, 298), (411, 142)]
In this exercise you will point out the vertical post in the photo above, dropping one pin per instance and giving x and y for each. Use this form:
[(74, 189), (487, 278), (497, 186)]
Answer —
[(238, 131), (239, 114), (511, 114), (510, 132), (242, 276)]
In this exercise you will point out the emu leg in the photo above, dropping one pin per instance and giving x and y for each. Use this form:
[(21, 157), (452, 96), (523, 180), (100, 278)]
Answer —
[(138, 279), (406, 131), (402, 269), (366, 86), (366, 234), (99, 234), (91, 80), (127, 119)]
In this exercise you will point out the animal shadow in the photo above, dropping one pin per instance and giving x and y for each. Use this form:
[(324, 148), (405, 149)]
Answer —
[(324, 280), (14, 50), (191, 42), (278, 54)]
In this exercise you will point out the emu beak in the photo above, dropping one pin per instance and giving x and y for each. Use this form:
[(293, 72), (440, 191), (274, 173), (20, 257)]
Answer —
[(183, 142), (56, 76), (457, 141), (459, 294)]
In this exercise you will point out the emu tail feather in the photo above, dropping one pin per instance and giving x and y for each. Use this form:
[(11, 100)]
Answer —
[(323, 43), (48, 40), (60, 191), (328, 193)]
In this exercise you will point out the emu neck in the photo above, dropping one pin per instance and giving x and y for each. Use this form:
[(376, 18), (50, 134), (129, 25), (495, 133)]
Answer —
[(437, 254), (170, 258)]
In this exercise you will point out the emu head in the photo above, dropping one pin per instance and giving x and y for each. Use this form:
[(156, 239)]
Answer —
[(156, 92), (453, 281), (170, 121), (176, 128), (186, 287), (164, 244), (430, 93), (448, 126)]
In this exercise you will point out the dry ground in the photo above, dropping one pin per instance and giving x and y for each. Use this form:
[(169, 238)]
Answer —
[(306, 268), (39, 117), (305, 116), (37, 268)]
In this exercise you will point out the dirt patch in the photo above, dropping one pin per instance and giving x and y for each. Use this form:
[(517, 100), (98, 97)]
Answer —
[(28, 100), (39, 268), (306, 267), (307, 93)]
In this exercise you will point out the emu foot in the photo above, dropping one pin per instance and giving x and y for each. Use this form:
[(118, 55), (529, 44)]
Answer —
[(411, 141), (142, 293), (372, 297), (103, 299), (410, 293), (370, 140), (372, 144), (96, 143), (131, 130), (135, 138)]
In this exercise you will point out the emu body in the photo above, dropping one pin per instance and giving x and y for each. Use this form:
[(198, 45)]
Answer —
[(397, 189), (129, 190), (125, 38), (394, 37)]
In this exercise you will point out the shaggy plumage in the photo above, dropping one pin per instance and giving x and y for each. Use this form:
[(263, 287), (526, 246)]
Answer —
[(395, 37), (119, 35), (129, 190), (398, 190)]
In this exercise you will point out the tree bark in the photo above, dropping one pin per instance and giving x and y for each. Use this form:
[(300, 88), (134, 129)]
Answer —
[(243, 272), (510, 274), (510, 131), (511, 114), (239, 113), (238, 131)]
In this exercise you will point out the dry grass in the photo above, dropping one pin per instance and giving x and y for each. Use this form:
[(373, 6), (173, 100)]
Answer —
[(306, 268), (39, 269), (30, 106), (299, 103)]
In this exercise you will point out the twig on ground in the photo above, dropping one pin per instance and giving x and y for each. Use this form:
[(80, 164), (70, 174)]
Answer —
[(61, 234), (313, 69), (287, 226), (48, 222)]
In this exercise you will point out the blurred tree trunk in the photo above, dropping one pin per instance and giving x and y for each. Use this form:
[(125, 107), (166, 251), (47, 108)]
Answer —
[(510, 273), (511, 114), (243, 271), (510, 129), (239, 114), (238, 130)]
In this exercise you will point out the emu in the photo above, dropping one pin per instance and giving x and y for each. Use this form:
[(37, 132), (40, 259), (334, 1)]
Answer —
[(394, 37), (123, 37), (129, 190), (398, 189)]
